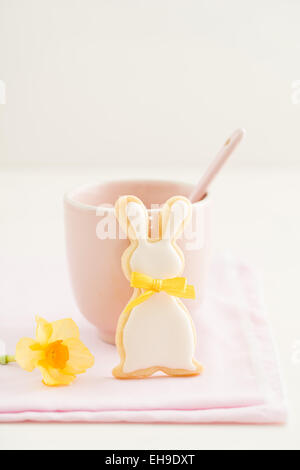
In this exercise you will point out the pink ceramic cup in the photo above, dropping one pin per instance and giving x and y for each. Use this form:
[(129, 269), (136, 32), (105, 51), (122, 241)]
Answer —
[(100, 287)]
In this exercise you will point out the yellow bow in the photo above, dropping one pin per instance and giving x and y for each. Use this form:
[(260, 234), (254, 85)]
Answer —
[(176, 286)]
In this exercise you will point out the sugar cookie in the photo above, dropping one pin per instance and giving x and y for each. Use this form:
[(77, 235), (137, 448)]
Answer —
[(155, 331)]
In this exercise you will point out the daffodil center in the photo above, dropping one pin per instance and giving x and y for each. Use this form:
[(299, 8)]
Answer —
[(57, 355)]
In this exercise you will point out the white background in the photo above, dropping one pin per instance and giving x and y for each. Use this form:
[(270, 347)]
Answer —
[(148, 82), (109, 89)]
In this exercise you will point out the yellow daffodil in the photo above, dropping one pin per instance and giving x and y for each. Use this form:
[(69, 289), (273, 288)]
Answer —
[(57, 351)]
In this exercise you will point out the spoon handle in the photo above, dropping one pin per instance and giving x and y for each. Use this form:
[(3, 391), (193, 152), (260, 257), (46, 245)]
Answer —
[(213, 169)]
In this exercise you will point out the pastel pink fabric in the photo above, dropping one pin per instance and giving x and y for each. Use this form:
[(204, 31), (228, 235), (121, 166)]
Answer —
[(241, 382)]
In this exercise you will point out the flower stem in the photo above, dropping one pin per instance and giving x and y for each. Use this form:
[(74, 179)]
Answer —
[(6, 360), (11, 359)]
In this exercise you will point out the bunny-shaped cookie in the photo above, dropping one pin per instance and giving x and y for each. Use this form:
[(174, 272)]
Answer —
[(155, 331)]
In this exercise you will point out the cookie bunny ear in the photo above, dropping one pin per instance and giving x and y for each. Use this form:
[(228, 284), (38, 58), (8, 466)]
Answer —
[(176, 213), (133, 217)]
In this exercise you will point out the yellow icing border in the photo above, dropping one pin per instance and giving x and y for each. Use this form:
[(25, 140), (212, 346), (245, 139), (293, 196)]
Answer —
[(121, 215)]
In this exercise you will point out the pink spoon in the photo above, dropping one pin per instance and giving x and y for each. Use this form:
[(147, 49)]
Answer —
[(215, 166)]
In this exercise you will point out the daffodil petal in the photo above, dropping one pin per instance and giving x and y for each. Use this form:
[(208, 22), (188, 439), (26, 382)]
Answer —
[(80, 358), (26, 357), (54, 377), (64, 329), (43, 331)]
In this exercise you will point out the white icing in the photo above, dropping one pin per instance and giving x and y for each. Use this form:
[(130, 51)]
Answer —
[(158, 333), (158, 259)]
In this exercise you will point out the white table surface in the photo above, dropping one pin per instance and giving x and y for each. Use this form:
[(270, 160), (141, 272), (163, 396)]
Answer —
[(256, 216)]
